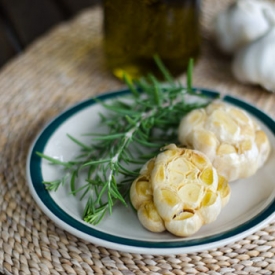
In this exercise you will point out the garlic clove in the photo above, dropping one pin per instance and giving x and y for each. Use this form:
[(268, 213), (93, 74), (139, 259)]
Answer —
[(141, 188), (140, 191), (263, 146), (211, 206), (241, 23), (184, 224), (191, 194), (150, 218), (141, 197), (224, 190), (167, 202), (202, 137)]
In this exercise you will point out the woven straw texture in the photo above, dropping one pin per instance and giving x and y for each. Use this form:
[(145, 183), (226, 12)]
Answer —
[(64, 67)]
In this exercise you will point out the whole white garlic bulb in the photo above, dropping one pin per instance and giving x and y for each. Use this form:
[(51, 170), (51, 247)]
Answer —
[(241, 23), (254, 63)]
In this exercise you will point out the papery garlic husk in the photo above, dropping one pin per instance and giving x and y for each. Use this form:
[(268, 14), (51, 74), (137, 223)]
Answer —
[(254, 63), (242, 22), (232, 140), (179, 191)]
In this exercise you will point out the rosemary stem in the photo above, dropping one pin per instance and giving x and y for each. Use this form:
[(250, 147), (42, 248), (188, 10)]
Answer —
[(132, 129)]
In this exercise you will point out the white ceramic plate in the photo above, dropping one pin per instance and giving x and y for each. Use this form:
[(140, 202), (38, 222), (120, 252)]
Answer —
[(251, 205)]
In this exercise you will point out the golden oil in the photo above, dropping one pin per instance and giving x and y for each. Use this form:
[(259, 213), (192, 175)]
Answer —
[(136, 30)]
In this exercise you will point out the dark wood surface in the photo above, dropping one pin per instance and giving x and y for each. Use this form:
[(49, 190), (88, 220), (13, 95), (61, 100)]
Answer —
[(22, 21)]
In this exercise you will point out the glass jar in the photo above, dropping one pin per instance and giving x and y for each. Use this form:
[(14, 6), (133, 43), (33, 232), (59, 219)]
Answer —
[(136, 30)]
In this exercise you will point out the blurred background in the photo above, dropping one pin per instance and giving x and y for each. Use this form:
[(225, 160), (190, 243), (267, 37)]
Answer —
[(22, 21)]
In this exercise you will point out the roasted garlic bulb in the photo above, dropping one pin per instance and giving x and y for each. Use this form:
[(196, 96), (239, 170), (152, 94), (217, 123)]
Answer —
[(230, 138), (178, 191)]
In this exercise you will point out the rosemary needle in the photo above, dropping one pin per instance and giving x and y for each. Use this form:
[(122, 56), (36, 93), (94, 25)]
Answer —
[(145, 124)]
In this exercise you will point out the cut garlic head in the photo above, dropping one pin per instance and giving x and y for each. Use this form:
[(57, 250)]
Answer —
[(182, 192), (231, 139)]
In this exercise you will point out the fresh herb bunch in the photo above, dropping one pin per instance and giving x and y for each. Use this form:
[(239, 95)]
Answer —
[(144, 124)]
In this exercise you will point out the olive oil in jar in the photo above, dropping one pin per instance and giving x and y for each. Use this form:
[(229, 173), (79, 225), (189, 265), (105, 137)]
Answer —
[(136, 30)]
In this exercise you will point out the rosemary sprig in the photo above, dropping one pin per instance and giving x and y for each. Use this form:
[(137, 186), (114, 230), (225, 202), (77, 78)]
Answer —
[(143, 124)]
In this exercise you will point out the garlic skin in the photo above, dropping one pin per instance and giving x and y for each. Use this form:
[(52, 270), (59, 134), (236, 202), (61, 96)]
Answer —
[(178, 191), (231, 139), (254, 63), (242, 22)]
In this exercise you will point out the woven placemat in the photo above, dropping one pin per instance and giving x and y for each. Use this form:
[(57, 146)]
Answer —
[(64, 67)]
